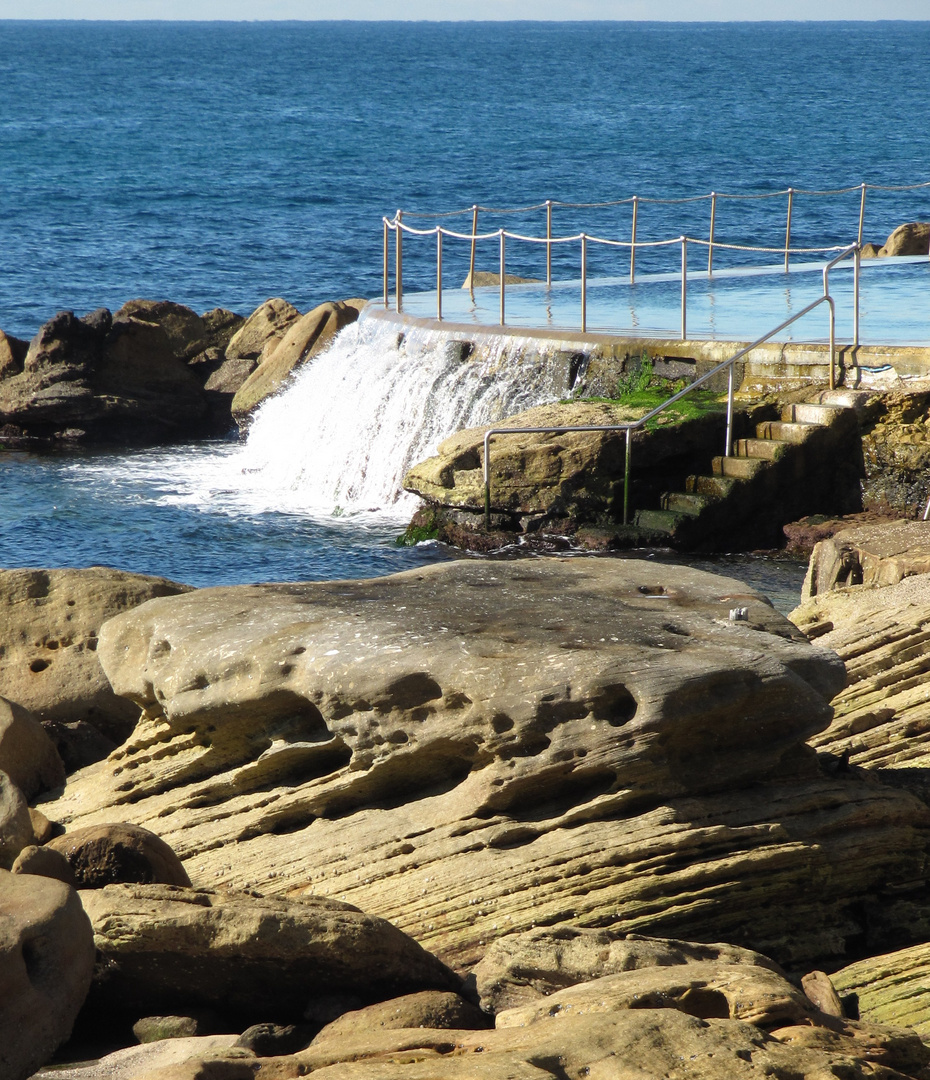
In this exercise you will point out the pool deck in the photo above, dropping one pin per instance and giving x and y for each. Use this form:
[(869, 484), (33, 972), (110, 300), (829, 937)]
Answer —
[(726, 311)]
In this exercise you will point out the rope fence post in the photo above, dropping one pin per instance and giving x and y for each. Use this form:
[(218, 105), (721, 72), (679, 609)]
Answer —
[(684, 288), (399, 267), (856, 264), (503, 274), (788, 227), (633, 241), (584, 282), (548, 243), (387, 262), (710, 246), (861, 215), (439, 273), (471, 261)]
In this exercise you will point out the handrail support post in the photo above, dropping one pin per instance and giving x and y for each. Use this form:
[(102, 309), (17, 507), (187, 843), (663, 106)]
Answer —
[(584, 283), (399, 266), (684, 288)]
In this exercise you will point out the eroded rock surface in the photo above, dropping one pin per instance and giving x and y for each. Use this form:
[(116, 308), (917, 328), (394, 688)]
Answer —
[(893, 988), (472, 749), (46, 962), (50, 623), (870, 555), (254, 958)]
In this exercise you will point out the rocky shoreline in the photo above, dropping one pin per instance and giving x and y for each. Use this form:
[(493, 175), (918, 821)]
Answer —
[(481, 819)]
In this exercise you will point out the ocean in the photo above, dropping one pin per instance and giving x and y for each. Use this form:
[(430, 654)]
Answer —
[(219, 164)]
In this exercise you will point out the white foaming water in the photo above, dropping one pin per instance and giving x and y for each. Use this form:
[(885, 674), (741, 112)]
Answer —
[(352, 422)]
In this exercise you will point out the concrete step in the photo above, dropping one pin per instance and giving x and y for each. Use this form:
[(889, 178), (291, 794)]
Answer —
[(812, 412), (846, 399), (660, 521), (715, 487), (760, 449), (792, 432), (684, 502), (742, 468)]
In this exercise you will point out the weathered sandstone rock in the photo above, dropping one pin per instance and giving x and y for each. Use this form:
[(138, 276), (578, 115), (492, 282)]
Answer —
[(427, 1009), (257, 958), (158, 1058), (102, 379), (882, 717), (910, 239), (525, 969), (305, 337), (271, 1040), (46, 962), (755, 995), (473, 749), (871, 555), (43, 828), (50, 623), (16, 830), (268, 323), (184, 328), (44, 862), (890, 989), (12, 354), (27, 755), (155, 1028), (102, 855), (822, 994), (574, 472)]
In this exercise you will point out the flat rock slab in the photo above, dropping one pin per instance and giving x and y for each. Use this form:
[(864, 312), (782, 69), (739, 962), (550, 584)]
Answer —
[(474, 748), (871, 555)]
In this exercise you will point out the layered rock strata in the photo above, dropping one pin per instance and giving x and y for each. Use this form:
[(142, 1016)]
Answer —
[(473, 749)]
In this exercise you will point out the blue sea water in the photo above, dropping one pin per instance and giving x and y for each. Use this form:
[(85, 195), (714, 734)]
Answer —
[(223, 163)]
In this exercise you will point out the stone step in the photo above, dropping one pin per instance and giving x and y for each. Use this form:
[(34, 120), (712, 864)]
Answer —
[(686, 502), (812, 412), (718, 486), (786, 431), (846, 399), (660, 521), (742, 468), (760, 449)]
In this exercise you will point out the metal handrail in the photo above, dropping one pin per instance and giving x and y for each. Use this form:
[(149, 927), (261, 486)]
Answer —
[(399, 227), (635, 425)]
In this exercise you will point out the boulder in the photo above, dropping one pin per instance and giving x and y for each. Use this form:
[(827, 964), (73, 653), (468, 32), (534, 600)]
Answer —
[(157, 1059), (50, 623), (427, 1009), (12, 354), (256, 959), (16, 830), (220, 324), (184, 328), (526, 969), (305, 337), (155, 1028), (890, 989), (910, 239), (870, 251), (266, 325), (871, 555), (27, 754), (881, 719), (755, 995), (102, 855), (43, 828), (474, 748), (46, 963), (270, 1040), (44, 862)]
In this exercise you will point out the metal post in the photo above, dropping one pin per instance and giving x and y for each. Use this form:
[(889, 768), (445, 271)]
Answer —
[(633, 239), (471, 261), (399, 264), (439, 273), (503, 274), (387, 261), (857, 259), (861, 214), (548, 243), (788, 227), (684, 288), (626, 477), (710, 246), (584, 283), (487, 481), (832, 343), (728, 449)]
